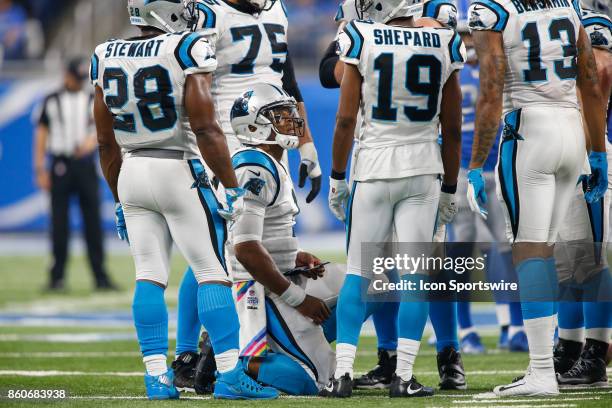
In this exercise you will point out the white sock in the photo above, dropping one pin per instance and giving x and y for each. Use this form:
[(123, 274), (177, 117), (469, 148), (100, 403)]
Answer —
[(227, 360), (345, 358), (599, 333), (572, 334), (512, 330), (540, 335), (466, 331), (407, 351), (503, 314), (156, 364)]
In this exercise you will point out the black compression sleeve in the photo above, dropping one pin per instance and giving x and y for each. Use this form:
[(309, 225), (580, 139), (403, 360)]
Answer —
[(328, 66), (289, 82)]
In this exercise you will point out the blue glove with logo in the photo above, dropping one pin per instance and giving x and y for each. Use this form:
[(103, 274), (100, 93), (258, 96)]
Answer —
[(235, 204), (598, 180), (120, 223), (476, 191)]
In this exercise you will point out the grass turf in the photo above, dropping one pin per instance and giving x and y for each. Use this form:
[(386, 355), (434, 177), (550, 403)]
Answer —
[(27, 352)]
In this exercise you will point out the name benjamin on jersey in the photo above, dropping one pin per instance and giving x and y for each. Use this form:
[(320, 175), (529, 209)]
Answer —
[(144, 49), (390, 36)]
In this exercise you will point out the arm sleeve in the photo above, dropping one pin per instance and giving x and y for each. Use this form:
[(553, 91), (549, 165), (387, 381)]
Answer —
[(194, 54), (290, 84), (487, 15), (350, 44), (250, 225), (328, 66)]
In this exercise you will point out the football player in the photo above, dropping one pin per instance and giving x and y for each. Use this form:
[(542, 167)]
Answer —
[(443, 315), (585, 327), (250, 42), (410, 85), (152, 100), (533, 55)]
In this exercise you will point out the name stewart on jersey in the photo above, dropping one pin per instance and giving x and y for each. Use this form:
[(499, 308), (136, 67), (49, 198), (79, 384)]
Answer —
[(540, 5), (146, 49), (393, 36)]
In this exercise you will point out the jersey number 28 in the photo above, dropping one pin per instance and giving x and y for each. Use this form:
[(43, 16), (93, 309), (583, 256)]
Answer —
[(156, 107)]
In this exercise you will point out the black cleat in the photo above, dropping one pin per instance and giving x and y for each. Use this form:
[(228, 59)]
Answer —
[(565, 355), (380, 376), (590, 369), (450, 369), (184, 371), (338, 388), (204, 381), (408, 389)]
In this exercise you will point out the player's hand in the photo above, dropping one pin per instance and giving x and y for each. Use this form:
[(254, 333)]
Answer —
[(311, 261), (597, 184), (338, 198), (43, 180), (120, 225), (309, 168), (476, 192), (235, 204), (447, 208), (314, 309)]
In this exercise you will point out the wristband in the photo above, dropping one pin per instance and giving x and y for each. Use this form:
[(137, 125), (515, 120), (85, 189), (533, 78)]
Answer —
[(294, 295), (337, 175), (449, 189)]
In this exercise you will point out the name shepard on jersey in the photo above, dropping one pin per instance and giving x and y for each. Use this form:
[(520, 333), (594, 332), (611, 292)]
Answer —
[(391, 36), (522, 8), (133, 49)]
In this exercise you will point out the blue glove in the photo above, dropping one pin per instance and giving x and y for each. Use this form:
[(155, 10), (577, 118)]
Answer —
[(476, 191), (235, 204), (598, 180), (120, 223)]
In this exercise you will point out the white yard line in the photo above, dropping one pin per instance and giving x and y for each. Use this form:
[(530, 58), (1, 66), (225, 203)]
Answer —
[(530, 400)]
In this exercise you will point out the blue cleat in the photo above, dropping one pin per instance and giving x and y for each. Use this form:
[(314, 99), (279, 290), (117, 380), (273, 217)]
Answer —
[(504, 341), (471, 344), (518, 343), (237, 385), (161, 387)]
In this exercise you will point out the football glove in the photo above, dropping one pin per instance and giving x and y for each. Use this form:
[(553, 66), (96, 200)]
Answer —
[(597, 184), (447, 208), (309, 168), (338, 198), (476, 191), (120, 223), (235, 204)]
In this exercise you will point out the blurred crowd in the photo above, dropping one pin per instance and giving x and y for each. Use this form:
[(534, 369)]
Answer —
[(311, 27)]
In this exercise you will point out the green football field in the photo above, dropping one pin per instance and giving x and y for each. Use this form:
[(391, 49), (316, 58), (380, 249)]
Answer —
[(97, 363)]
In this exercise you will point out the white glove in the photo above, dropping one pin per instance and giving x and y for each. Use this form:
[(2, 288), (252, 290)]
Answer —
[(338, 198), (476, 192), (235, 204), (447, 208), (310, 168)]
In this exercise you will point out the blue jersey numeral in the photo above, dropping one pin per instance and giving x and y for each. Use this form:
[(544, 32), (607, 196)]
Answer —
[(384, 109)]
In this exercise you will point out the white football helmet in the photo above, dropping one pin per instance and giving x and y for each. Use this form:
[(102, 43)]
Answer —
[(382, 11), (170, 16), (263, 109)]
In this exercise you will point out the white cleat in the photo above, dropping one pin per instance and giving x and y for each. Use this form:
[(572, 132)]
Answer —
[(535, 383)]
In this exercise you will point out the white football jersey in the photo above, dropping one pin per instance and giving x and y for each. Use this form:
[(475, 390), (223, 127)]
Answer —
[(599, 28), (540, 46), (269, 195), (404, 71), (143, 81), (249, 49)]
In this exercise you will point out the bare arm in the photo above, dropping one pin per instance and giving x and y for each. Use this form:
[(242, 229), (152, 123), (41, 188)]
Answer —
[(489, 47), (590, 92), (346, 118), (450, 119), (40, 148), (254, 257), (200, 109), (110, 152), (307, 134)]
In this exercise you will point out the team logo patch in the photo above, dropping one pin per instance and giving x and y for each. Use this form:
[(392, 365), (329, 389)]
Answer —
[(475, 20), (254, 185), (598, 39)]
